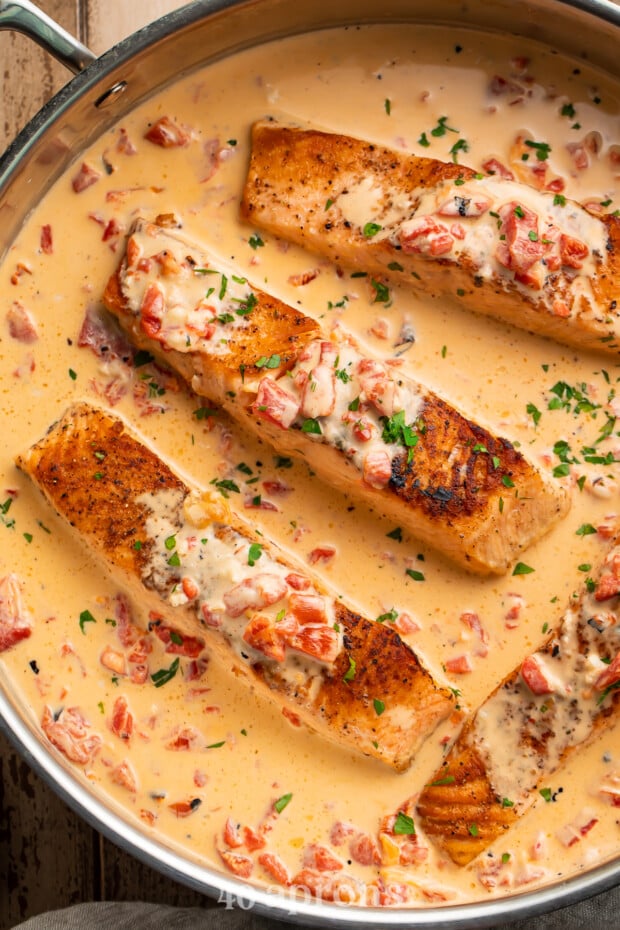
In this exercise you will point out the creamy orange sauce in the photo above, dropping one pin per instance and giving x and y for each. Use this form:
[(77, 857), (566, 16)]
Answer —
[(390, 85)]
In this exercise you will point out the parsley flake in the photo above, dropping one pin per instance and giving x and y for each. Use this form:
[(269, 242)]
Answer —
[(349, 675), (254, 553), (371, 229), (404, 825), (282, 802), (86, 617), (164, 675)]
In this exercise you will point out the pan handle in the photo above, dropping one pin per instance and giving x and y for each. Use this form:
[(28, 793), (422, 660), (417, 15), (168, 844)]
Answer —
[(24, 16)]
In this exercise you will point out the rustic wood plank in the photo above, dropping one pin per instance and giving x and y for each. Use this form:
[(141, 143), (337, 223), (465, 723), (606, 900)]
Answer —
[(48, 856), (103, 30), (29, 75)]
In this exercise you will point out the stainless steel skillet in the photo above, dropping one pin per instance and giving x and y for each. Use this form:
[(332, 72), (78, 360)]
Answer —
[(101, 93)]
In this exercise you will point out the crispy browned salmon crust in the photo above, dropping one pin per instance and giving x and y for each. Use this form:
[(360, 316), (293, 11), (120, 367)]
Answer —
[(464, 491), (296, 187), (110, 513), (553, 703)]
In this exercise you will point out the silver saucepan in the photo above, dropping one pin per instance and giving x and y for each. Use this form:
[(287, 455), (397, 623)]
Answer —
[(103, 90)]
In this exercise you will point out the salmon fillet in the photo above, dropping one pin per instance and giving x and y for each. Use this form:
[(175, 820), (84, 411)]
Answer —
[(351, 680), (359, 424), (557, 700), (499, 247)]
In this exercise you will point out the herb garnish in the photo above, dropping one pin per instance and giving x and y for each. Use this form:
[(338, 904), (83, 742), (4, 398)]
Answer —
[(349, 675), (416, 576), (404, 825), (272, 362), (542, 149), (164, 675), (391, 615), (586, 529), (282, 802), (382, 292), (311, 425), (86, 617), (254, 553)]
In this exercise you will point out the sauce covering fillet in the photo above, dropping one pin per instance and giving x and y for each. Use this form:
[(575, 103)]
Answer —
[(499, 247), (358, 422), (557, 699), (183, 554)]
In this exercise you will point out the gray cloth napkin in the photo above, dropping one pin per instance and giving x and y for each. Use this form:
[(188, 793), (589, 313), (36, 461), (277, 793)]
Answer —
[(599, 913)]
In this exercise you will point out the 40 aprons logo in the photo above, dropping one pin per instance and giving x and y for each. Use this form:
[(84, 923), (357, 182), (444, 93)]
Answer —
[(343, 894)]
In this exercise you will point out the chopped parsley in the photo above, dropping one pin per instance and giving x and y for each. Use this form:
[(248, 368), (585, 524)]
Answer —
[(349, 675), (542, 149), (379, 706), (371, 229), (142, 357), (391, 615), (404, 825), (255, 242), (534, 412), (586, 529), (164, 675), (282, 802), (86, 617), (522, 569), (547, 794), (311, 425), (397, 432), (225, 485), (203, 412), (442, 128), (460, 146), (268, 362), (254, 553), (415, 575), (382, 292), (396, 534)]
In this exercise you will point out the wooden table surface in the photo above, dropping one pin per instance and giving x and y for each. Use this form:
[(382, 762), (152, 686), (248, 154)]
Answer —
[(49, 858)]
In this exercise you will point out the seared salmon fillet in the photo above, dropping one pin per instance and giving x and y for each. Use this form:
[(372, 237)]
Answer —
[(185, 556), (358, 422), (530, 258), (558, 698)]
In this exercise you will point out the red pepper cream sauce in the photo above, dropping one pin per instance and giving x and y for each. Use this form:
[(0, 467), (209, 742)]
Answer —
[(187, 752)]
